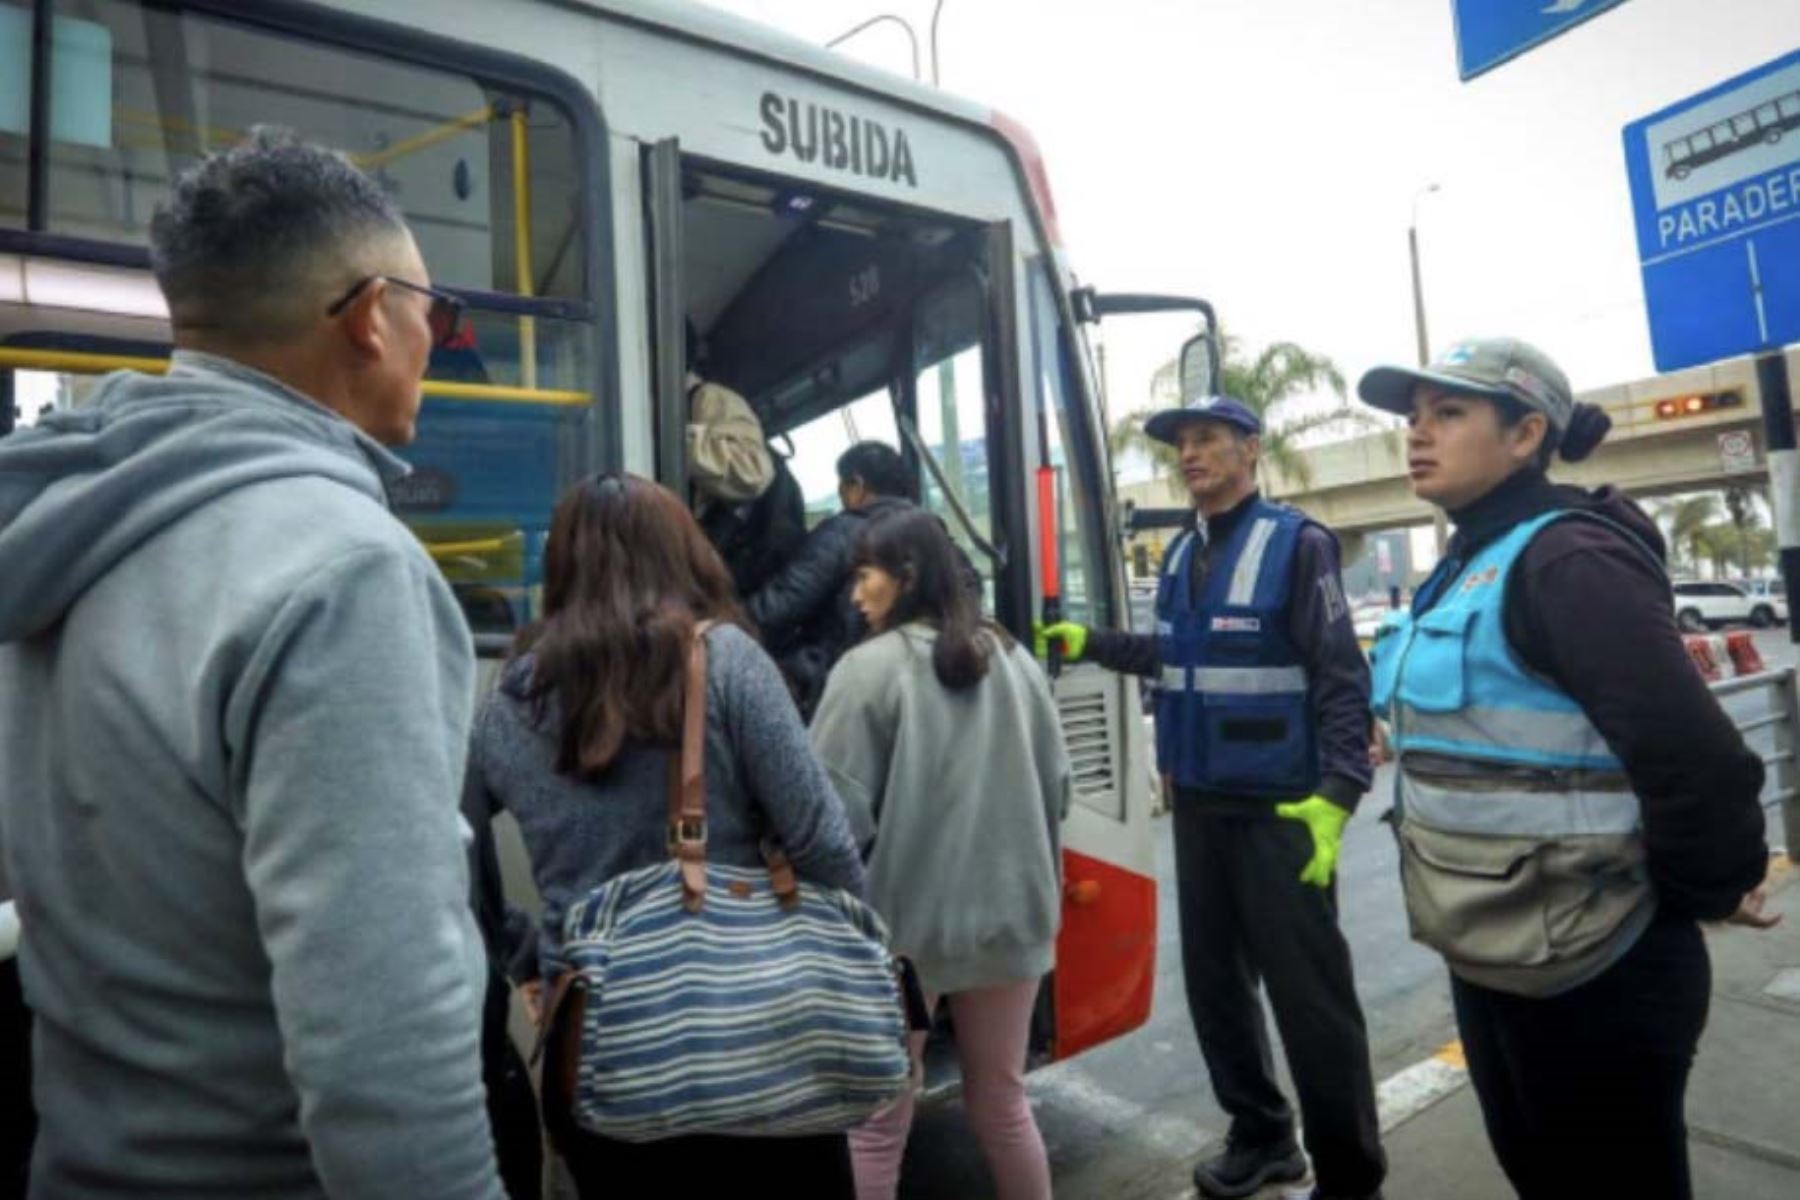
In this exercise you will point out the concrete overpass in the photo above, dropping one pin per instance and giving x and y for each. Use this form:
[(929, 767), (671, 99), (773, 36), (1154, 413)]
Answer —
[(1360, 485)]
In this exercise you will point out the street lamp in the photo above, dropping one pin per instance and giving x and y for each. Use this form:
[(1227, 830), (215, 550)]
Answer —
[(1412, 245), (1440, 527)]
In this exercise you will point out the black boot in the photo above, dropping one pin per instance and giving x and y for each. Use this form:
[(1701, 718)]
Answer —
[(1241, 1170)]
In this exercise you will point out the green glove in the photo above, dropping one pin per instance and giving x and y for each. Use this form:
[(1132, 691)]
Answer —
[(1325, 821), (1072, 636)]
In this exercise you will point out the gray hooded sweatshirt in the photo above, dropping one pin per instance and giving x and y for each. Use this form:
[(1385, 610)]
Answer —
[(234, 698)]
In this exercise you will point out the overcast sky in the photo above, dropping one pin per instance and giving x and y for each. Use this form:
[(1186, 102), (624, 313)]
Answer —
[(1265, 154)]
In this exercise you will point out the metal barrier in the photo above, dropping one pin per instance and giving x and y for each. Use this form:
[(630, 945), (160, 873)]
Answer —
[(1782, 717)]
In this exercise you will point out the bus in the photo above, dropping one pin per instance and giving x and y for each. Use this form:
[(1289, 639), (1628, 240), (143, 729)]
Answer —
[(1763, 124), (863, 257)]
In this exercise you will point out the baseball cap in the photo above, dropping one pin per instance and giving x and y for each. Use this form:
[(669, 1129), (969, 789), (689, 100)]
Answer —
[(1495, 368), (1163, 425)]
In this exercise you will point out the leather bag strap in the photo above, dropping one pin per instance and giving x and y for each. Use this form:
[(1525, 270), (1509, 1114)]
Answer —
[(687, 779)]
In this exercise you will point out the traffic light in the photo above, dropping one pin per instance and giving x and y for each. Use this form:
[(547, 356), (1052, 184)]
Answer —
[(1675, 408)]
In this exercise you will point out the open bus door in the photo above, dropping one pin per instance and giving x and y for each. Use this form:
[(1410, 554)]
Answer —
[(668, 311)]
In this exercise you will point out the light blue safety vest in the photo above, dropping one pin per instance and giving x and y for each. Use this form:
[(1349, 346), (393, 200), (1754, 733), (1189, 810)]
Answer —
[(1232, 711), (1521, 844)]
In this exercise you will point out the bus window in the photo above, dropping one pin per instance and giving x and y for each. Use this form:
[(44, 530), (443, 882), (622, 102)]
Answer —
[(487, 173), (818, 444), (25, 396), (1086, 597), (951, 393), (151, 89)]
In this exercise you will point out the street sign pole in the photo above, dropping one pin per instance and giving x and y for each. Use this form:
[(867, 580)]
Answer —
[(1784, 473)]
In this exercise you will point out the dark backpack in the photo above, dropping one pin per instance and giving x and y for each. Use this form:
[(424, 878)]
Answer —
[(756, 537)]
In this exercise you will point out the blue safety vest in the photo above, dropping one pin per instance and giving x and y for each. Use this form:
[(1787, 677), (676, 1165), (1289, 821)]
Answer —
[(1232, 711), (1521, 850)]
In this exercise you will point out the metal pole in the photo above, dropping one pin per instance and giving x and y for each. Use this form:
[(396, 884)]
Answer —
[(37, 170), (947, 409), (522, 273), (1412, 246), (1440, 527), (1784, 472)]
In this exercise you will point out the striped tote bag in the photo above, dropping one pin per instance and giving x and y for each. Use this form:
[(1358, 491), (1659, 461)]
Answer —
[(703, 998)]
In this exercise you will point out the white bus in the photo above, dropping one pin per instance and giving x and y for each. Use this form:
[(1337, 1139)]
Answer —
[(863, 256)]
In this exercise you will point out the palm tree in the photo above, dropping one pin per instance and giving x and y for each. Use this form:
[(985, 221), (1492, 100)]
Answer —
[(1685, 520), (1278, 374), (1740, 504)]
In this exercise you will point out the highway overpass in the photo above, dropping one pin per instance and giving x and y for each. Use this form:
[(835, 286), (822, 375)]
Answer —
[(1360, 485)]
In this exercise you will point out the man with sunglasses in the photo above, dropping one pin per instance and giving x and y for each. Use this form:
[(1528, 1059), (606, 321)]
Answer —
[(234, 700)]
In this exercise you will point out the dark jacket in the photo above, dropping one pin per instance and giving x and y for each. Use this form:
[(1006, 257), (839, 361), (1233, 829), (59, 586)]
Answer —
[(1586, 610), (757, 537), (1320, 627), (804, 611)]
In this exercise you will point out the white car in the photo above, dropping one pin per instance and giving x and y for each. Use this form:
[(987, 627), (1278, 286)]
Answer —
[(1769, 601), (1702, 606)]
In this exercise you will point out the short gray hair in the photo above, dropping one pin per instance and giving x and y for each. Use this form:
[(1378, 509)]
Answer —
[(250, 239)]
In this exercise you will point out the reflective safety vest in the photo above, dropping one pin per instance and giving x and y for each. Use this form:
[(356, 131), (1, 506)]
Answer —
[(1521, 847), (1232, 713)]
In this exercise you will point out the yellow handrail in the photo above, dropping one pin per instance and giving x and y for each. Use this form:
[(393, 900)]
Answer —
[(372, 159), (522, 244), (455, 549), (80, 362)]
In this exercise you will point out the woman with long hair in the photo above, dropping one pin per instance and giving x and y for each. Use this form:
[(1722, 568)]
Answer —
[(941, 735), (576, 743), (1571, 797)]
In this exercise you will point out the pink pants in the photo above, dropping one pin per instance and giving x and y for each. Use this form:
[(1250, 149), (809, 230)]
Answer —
[(992, 1027)]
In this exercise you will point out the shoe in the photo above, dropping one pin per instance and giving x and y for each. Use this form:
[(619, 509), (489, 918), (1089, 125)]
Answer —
[(1241, 1170)]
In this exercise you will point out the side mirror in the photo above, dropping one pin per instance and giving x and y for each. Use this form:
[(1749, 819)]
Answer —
[(1199, 367)]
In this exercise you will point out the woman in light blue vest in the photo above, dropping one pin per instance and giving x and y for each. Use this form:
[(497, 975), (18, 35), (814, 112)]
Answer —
[(1570, 797)]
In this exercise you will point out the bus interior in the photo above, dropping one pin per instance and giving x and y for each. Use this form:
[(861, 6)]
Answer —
[(840, 320)]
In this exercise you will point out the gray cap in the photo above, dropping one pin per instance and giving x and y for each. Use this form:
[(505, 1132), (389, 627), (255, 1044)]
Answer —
[(1496, 368)]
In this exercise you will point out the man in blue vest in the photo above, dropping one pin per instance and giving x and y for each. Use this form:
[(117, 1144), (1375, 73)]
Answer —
[(1262, 733)]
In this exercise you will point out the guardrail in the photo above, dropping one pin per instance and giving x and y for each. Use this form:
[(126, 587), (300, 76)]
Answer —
[(1782, 716)]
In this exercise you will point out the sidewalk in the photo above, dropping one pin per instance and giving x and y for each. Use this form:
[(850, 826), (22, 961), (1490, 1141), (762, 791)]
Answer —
[(1743, 1101)]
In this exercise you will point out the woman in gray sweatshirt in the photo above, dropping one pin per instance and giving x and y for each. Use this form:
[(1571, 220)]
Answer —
[(576, 743), (941, 735)]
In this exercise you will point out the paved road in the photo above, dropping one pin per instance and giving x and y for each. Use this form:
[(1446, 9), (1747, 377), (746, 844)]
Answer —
[(1128, 1119)]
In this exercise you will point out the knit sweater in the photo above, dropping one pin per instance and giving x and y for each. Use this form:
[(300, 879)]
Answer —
[(960, 796), (761, 779)]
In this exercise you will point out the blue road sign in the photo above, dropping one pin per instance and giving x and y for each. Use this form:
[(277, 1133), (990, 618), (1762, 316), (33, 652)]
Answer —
[(1715, 186), (1488, 32)]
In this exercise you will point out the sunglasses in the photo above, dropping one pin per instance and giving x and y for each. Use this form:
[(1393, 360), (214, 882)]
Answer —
[(445, 317)]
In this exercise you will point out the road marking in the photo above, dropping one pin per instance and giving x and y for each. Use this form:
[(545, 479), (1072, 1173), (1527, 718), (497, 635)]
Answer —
[(1405, 1095), (1401, 1097), (1066, 1084)]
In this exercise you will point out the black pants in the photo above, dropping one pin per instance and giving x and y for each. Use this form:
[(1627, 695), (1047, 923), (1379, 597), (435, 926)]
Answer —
[(707, 1166), (1584, 1093), (512, 1106), (816, 1168), (1245, 918), (18, 1125)]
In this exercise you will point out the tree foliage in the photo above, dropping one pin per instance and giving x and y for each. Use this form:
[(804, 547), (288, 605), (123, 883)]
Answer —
[(1265, 383)]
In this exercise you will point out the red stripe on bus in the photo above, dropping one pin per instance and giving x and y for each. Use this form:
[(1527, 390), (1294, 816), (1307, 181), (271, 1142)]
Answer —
[(1105, 954)]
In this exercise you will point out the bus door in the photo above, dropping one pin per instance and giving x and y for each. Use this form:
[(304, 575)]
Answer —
[(1106, 952), (962, 426), (664, 214)]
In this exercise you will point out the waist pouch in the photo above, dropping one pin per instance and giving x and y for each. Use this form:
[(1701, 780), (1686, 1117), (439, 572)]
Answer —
[(1532, 916)]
